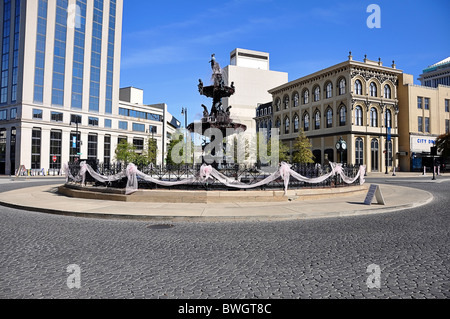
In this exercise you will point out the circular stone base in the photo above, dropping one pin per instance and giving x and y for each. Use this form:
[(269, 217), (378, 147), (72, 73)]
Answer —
[(180, 196)]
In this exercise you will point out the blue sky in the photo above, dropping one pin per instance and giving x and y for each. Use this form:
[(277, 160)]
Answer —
[(166, 45)]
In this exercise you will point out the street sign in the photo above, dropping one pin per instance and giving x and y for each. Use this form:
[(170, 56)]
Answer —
[(74, 142), (54, 159), (80, 154)]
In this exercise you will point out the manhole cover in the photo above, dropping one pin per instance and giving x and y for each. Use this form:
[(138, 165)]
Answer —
[(161, 226)]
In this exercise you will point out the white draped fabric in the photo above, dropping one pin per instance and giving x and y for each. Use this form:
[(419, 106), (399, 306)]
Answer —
[(208, 172)]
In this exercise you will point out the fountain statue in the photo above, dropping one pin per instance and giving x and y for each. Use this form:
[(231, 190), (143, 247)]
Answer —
[(218, 117)]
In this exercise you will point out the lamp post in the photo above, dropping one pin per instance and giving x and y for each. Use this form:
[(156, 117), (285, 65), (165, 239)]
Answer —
[(184, 112)]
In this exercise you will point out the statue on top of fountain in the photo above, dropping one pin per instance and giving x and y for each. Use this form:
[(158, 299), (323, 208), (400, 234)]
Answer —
[(217, 91)]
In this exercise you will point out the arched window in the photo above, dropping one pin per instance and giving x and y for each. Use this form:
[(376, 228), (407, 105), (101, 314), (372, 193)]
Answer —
[(278, 123), (373, 117), (329, 118), (277, 104), (329, 90), (374, 154), (388, 118), (306, 122), (342, 116), (317, 120), (387, 92), (296, 99), (306, 97), (296, 123), (286, 102), (317, 94), (373, 89), (342, 85), (358, 116), (358, 87), (287, 123), (359, 151)]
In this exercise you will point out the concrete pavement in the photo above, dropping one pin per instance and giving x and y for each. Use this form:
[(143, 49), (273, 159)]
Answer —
[(46, 199)]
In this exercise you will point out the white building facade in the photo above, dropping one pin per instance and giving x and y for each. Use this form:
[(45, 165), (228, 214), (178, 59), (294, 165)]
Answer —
[(59, 87)]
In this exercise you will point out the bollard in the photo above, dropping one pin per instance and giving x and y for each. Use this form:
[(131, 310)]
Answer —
[(439, 170), (424, 171), (393, 174)]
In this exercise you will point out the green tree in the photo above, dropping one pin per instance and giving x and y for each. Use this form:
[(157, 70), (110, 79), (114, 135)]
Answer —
[(302, 149), (125, 152), (443, 145), (282, 152), (177, 144)]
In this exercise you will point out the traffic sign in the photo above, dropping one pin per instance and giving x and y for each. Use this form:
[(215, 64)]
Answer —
[(54, 159)]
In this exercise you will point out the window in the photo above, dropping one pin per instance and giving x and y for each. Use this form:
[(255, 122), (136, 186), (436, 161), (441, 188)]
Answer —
[(358, 87), (286, 102), (420, 123), (427, 103), (329, 90), (419, 102), (13, 113), (359, 151), (36, 149), (296, 123), (342, 85), (287, 123), (447, 126), (107, 149), (55, 149), (427, 125), (358, 116), (317, 120), (93, 121), (342, 116), (138, 144), (153, 129), (306, 122), (388, 118), (278, 123), (317, 94), (387, 92), (57, 117), (123, 125), (75, 119), (37, 114), (296, 100), (2, 148), (92, 146), (373, 89), (277, 104), (373, 117), (329, 118), (306, 97), (374, 154), (3, 115), (447, 108), (108, 123), (138, 127)]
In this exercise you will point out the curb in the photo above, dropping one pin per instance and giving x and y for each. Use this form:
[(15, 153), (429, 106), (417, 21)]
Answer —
[(156, 218)]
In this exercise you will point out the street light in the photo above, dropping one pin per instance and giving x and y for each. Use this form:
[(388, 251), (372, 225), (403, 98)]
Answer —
[(184, 112)]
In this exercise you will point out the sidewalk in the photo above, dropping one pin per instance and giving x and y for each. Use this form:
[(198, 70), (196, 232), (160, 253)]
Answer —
[(46, 199)]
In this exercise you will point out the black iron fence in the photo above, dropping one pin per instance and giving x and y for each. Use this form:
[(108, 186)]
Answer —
[(245, 174)]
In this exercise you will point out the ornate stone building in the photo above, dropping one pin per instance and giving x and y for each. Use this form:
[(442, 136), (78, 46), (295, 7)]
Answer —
[(353, 100)]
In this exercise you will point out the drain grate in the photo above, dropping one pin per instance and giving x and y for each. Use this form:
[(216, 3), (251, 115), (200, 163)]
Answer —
[(160, 226)]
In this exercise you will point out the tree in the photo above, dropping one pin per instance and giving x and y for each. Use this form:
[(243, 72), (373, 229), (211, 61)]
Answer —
[(282, 152), (302, 149), (443, 145), (176, 150), (125, 152)]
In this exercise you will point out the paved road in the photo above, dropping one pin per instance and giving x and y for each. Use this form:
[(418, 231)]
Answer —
[(326, 258)]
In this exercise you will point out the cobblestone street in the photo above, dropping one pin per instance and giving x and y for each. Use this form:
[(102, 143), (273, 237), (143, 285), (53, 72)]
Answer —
[(318, 258)]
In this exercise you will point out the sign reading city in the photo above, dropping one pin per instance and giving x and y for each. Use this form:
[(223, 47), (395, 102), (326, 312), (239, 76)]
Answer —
[(374, 191)]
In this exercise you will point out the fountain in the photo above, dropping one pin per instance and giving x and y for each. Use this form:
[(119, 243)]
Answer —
[(218, 117)]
